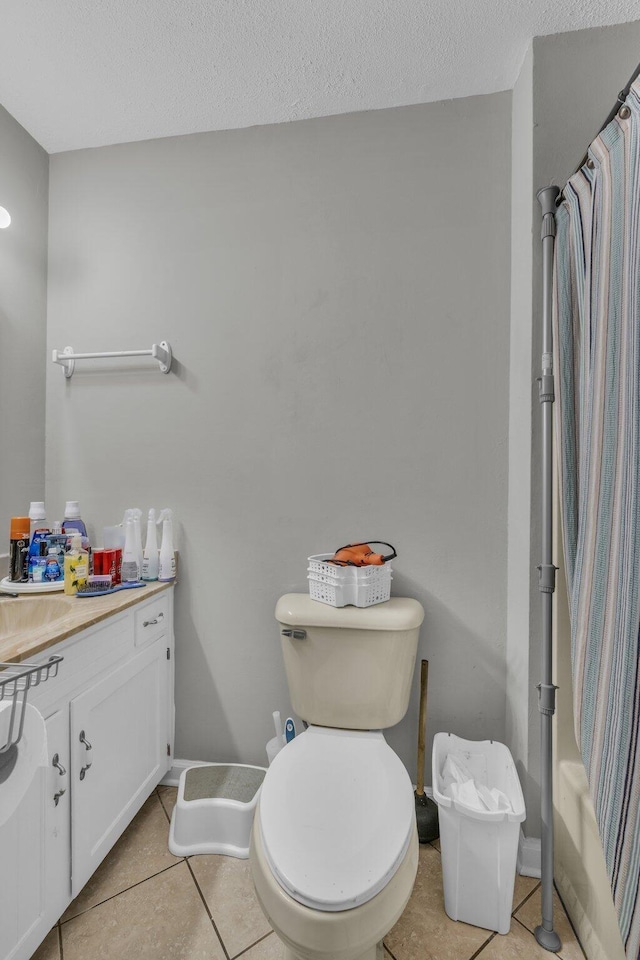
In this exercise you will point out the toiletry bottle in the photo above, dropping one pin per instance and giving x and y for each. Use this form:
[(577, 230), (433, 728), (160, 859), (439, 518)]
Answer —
[(38, 529), (52, 570), (167, 565), (130, 567), (19, 549), (137, 532), (150, 559), (37, 518), (135, 514), (72, 520), (76, 567), (73, 523)]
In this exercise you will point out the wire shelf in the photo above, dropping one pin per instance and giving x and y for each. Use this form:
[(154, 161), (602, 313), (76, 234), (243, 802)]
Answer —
[(16, 679)]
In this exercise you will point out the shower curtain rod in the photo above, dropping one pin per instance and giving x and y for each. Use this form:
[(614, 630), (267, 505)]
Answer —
[(549, 198), (622, 96)]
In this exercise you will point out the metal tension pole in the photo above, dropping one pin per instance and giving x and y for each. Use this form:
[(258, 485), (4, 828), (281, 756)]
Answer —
[(545, 934)]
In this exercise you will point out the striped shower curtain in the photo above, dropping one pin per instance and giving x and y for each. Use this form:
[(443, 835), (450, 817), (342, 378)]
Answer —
[(597, 366)]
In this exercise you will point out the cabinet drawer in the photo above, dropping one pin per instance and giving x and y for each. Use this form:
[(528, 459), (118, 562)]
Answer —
[(151, 621)]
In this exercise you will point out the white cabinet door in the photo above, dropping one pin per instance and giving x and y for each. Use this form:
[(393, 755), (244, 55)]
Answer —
[(35, 852), (58, 816), (118, 754)]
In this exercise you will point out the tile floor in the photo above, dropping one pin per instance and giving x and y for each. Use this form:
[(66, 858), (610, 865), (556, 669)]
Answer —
[(144, 904)]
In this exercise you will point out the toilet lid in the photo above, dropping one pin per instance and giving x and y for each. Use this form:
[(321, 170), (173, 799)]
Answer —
[(337, 815)]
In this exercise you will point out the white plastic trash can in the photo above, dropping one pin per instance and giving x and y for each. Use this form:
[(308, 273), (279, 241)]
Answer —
[(479, 848)]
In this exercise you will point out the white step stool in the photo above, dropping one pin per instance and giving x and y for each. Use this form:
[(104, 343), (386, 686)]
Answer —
[(214, 810)]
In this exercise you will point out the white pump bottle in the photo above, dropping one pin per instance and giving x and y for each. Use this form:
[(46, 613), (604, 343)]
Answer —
[(150, 559), (167, 566)]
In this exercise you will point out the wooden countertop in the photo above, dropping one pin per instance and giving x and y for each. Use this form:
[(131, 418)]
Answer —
[(59, 617)]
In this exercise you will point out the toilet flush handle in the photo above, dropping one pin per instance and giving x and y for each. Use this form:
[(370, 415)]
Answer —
[(295, 634)]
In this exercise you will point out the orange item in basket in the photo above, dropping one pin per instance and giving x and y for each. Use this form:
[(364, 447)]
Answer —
[(361, 555)]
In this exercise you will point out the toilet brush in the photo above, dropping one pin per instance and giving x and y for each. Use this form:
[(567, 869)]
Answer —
[(426, 809)]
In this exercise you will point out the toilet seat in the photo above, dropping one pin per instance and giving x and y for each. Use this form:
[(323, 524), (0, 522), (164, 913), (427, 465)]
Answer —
[(337, 816)]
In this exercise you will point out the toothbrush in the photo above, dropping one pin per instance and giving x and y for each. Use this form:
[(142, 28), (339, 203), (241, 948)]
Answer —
[(289, 729), (87, 591)]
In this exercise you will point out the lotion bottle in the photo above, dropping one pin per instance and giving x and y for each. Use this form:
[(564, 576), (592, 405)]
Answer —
[(167, 566), (150, 559)]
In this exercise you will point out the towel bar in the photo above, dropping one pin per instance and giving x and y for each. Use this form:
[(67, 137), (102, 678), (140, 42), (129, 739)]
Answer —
[(159, 351)]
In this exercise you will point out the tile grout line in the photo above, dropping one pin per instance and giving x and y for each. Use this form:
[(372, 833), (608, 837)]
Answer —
[(564, 909), (528, 897), (532, 934), (162, 805), (206, 906), (481, 948), (523, 924), (202, 897), (252, 945), (120, 892), (558, 955), (388, 951), (60, 947)]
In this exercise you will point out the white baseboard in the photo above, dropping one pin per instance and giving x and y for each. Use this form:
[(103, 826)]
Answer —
[(529, 856)]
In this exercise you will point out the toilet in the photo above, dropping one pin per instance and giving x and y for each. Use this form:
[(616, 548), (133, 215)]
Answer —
[(334, 845)]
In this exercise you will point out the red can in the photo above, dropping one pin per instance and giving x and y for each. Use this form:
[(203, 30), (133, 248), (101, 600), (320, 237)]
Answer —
[(114, 560), (108, 562)]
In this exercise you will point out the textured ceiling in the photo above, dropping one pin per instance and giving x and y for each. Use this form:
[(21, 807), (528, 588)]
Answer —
[(84, 73)]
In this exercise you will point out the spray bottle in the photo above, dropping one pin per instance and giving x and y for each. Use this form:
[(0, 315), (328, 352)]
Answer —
[(130, 565), (167, 566), (135, 515), (150, 559)]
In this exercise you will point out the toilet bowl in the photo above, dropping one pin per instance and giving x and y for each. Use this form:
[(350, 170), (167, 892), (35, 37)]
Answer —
[(334, 848), (334, 845)]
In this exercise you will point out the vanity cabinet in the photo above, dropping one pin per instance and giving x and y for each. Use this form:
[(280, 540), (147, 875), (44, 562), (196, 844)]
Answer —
[(119, 744), (109, 721)]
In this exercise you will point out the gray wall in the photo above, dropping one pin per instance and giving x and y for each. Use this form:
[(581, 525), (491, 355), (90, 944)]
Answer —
[(336, 294), (568, 84), (24, 175)]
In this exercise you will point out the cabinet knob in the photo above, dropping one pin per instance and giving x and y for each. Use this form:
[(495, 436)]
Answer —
[(88, 747), (56, 763)]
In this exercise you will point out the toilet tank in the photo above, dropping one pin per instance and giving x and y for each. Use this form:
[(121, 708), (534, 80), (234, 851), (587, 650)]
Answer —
[(349, 667)]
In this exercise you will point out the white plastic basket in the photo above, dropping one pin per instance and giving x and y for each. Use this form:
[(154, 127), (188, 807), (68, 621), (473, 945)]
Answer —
[(341, 586)]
